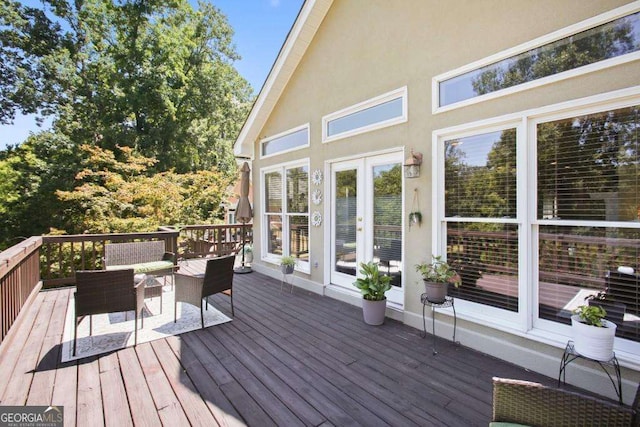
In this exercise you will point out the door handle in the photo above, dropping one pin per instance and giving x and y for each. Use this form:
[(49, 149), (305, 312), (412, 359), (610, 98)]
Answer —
[(359, 228)]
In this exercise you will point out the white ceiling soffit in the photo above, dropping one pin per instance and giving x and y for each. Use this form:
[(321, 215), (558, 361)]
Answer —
[(292, 51)]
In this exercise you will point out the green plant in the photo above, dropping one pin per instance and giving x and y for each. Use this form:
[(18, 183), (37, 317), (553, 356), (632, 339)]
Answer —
[(373, 285), (438, 271), (415, 218), (288, 261), (591, 315)]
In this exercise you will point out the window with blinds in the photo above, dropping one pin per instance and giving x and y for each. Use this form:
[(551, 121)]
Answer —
[(588, 188), (480, 210), (286, 212)]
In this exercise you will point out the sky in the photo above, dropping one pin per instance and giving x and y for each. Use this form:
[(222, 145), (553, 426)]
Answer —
[(260, 26)]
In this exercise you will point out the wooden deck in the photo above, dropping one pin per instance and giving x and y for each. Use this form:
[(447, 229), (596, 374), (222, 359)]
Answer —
[(286, 359)]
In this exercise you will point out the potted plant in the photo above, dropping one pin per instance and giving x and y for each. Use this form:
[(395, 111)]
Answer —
[(373, 285), (287, 264), (593, 335), (615, 310), (436, 276), (415, 218), (248, 253)]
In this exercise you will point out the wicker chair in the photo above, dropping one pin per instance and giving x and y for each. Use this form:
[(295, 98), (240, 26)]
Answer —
[(99, 292), (534, 404), (218, 278)]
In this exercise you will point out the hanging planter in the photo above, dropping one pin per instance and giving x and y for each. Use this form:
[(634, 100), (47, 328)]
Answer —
[(415, 217)]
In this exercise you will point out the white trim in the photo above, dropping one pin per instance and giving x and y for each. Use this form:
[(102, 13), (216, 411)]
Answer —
[(306, 126), (373, 102), (300, 37), (526, 323), (532, 44)]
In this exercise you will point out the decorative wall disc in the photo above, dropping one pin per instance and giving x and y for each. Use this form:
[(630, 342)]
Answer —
[(316, 177), (316, 219), (316, 196)]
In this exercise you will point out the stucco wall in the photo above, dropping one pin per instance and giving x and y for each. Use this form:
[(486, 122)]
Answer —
[(365, 48)]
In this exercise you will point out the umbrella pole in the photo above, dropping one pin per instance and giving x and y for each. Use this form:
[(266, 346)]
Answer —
[(243, 269)]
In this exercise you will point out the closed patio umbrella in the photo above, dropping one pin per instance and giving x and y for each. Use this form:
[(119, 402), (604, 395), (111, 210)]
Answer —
[(244, 213)]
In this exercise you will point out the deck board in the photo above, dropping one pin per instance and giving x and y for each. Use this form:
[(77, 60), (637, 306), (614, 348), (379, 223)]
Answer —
[(286, 359)]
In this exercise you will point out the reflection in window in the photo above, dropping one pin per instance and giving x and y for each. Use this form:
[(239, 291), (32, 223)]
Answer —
[(287, 212), (299, 138), (274, 241), (486, 258), (273, 191), (377, 114), (387, 220), (298, 190), (610, 40), (480, 183), (579, 261), (589, 167), (346, 186), (589, 171), (480, 176), (299, 237)]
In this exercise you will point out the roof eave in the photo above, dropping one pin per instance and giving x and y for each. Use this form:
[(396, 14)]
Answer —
[(300, 36)]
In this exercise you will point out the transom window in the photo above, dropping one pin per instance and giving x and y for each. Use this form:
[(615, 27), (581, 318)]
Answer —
[(547, 56), (287, 141), (537, 221), (385, 110), (286, 213)]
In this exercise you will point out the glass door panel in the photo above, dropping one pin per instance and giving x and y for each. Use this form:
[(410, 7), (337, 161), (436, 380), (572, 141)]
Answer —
[(345, 225), (366, 220), (387, 220)]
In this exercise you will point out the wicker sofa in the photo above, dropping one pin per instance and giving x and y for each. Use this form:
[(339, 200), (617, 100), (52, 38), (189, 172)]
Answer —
[(143, 257), (528, 403)]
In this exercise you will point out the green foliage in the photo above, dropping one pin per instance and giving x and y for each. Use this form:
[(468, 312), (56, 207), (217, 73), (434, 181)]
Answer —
[(288, 261), (117, 196), (438, 271), (591, 314), (156, 78), (373, 285)]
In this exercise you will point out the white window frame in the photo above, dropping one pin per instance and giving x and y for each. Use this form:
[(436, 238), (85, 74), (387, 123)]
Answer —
[(283, 134), (532, 44), (373, 102), (526, 322), (303, 266)]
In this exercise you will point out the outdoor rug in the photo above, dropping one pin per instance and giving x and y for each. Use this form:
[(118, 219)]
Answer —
[(115, 330)]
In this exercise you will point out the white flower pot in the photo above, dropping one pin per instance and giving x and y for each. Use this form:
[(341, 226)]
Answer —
[(591, 341)]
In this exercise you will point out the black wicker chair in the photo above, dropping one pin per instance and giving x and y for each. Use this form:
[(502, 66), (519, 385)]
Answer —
[(218, 278), (101, 291)]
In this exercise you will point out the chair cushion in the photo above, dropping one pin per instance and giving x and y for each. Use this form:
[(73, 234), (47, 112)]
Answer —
[(145, 267)]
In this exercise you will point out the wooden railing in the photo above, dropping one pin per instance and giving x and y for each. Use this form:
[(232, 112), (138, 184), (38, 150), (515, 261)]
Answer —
[(63, 255), (51, 261), (19, 279), (212, 240)]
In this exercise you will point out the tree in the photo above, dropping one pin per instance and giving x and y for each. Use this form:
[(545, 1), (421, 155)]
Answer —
[(131, 80), (156, 76), (117, 196)]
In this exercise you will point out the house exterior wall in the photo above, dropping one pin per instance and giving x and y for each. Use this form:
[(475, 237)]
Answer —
[(365, 48)]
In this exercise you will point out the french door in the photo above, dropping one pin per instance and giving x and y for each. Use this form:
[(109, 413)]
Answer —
[(366, 220)]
